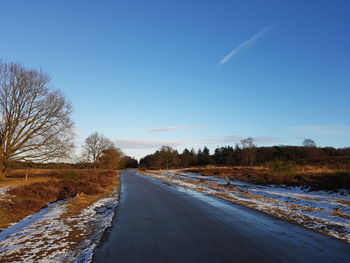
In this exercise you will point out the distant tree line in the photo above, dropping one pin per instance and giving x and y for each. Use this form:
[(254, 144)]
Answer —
[(246, 153)]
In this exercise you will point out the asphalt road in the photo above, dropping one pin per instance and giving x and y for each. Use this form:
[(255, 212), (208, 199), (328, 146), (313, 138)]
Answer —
[(156, 222)]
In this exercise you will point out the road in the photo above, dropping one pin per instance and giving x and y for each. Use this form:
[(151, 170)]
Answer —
[(158, 222)]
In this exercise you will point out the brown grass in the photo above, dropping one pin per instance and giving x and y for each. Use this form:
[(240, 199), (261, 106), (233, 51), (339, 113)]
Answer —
[(303, 208), (318, 177), (77, 234), (30, 198), (74, 208), (312, 169), (15, 181), (337, 212), (34, 172)]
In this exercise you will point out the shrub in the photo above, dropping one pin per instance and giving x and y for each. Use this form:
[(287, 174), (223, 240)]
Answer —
[(37, 191), (37, 195), (282, 171), (28, 205), (71, 175)]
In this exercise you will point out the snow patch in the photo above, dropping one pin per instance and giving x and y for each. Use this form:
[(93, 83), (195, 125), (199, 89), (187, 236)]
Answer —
[(3, 191), (44, 236)]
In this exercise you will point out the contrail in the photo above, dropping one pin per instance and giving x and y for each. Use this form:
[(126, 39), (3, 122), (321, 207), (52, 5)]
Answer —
[(245, 44)]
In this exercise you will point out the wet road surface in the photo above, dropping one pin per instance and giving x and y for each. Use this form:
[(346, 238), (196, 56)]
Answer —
[(157, 222)]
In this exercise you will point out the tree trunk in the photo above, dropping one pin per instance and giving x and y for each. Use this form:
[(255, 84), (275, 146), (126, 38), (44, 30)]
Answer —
[(2, 170)]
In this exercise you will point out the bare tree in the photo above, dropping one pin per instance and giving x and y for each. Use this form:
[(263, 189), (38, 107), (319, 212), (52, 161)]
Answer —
[(94, 146), (311, 151), (309, 143), (248, 150), (35, 123)]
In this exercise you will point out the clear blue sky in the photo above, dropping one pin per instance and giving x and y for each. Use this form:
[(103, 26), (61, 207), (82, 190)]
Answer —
[(146, 73)]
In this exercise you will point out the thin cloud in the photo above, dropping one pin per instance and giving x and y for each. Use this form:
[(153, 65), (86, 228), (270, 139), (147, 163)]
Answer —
[(245, 44), (322, 129), (174, 128), (224, 139), (170, 128), (269, 139), (146, 144), (238, 138)]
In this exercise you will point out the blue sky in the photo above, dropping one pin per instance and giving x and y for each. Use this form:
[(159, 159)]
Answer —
[(147, 73)]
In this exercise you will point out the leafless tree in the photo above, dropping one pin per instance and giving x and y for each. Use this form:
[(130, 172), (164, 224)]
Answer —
[(312, 152), (248, 150), (309, 143), (35, 123), (94, 146)]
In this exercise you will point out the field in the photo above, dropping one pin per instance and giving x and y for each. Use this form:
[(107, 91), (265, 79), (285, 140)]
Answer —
[(54, 212), (316, 177)]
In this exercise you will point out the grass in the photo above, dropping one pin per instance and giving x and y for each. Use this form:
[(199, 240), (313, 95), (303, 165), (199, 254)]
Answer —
[(29, 198), (312, 169), (317, 177), (35, 172), (16, 181), (71, 217), (337, 212), (75, 207)]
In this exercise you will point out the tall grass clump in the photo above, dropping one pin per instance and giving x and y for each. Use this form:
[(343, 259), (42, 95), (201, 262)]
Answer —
[(282, 171)]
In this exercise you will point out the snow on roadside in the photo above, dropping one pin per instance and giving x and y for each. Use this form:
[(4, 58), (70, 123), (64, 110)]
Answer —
[(324, 211), (34, 237), (98, 216), (3, 191), (46, 237)]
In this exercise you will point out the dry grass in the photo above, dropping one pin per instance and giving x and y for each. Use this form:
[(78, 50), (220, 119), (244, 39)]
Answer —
[(337, 212), (30, 198), (15, 181), (76, 235), (74, 209), (7, 218), (318, 177), (312, 169), (303, 208), (34, 172)]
